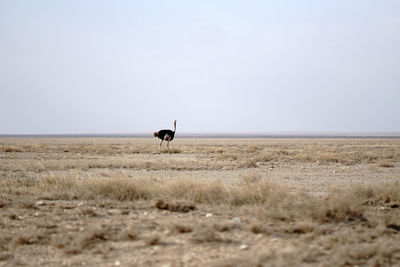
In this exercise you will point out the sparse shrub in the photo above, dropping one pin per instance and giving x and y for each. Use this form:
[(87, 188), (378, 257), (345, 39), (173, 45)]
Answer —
[(174, 207), (372, 194), (32, 236), (299, 229), (3, 203), (76, 243), (120, 189), (10, 149), (250, 163), (225, 227), (384, 164), (153, 240), (180, 228), (338, 206), (257, 229), (264, 157), (28, 204)]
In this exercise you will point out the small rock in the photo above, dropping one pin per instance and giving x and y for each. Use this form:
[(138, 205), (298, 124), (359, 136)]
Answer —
[(167, 231), (36, 214), (117, 263), (188, 257), (244, 247), (40, 203), (80, 204), (236, 220), (33, 240), (209, 215), (113, 212)]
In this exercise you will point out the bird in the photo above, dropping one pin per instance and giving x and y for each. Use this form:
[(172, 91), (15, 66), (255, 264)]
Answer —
[(165, 135)]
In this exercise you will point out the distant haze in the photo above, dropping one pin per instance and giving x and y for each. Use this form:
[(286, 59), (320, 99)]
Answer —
[(244, 66)]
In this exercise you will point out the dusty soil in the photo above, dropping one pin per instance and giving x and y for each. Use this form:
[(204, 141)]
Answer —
[(48, 219)]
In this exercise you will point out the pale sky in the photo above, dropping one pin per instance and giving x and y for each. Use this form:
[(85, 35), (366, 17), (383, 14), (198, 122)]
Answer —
[(250, 66)]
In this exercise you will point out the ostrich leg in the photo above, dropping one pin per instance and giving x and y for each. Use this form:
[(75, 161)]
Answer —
[(159, 152)]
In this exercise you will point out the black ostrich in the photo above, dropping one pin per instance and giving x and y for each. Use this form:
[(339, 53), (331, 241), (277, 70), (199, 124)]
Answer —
[(166, 135)]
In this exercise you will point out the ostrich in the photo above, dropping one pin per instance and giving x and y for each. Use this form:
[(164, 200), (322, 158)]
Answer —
[(166, 135)]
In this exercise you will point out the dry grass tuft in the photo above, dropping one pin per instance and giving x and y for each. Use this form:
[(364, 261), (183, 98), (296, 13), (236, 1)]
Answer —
[(181, 228), (174, 207), (117, 188), (337, 207), (76, 243), (10, 149), (27, 204), (207, 235), (4, 203), (249, 191), (385, 193), (210, 192), (32, 236), (175, 150), (225, 227), (120, 188), (89, 212), (385, 164), (227, 156), (5, 240), (6, 256), (153, 240), (129, 233)]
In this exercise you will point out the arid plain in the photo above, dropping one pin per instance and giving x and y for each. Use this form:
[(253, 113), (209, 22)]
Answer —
[(212, 202)]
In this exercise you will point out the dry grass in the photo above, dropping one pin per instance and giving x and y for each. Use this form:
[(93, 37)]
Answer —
[(211, 202)]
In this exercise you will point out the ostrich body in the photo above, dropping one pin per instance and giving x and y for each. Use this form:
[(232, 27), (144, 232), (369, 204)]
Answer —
[(166, 135)]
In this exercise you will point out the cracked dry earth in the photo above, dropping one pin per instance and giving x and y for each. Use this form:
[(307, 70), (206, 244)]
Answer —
[(212, 202)]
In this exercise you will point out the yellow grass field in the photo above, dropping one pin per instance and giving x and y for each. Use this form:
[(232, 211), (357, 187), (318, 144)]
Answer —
[(212, 202)]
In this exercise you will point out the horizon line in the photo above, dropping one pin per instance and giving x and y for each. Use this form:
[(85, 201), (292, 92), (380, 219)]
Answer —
[(216, 134)]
